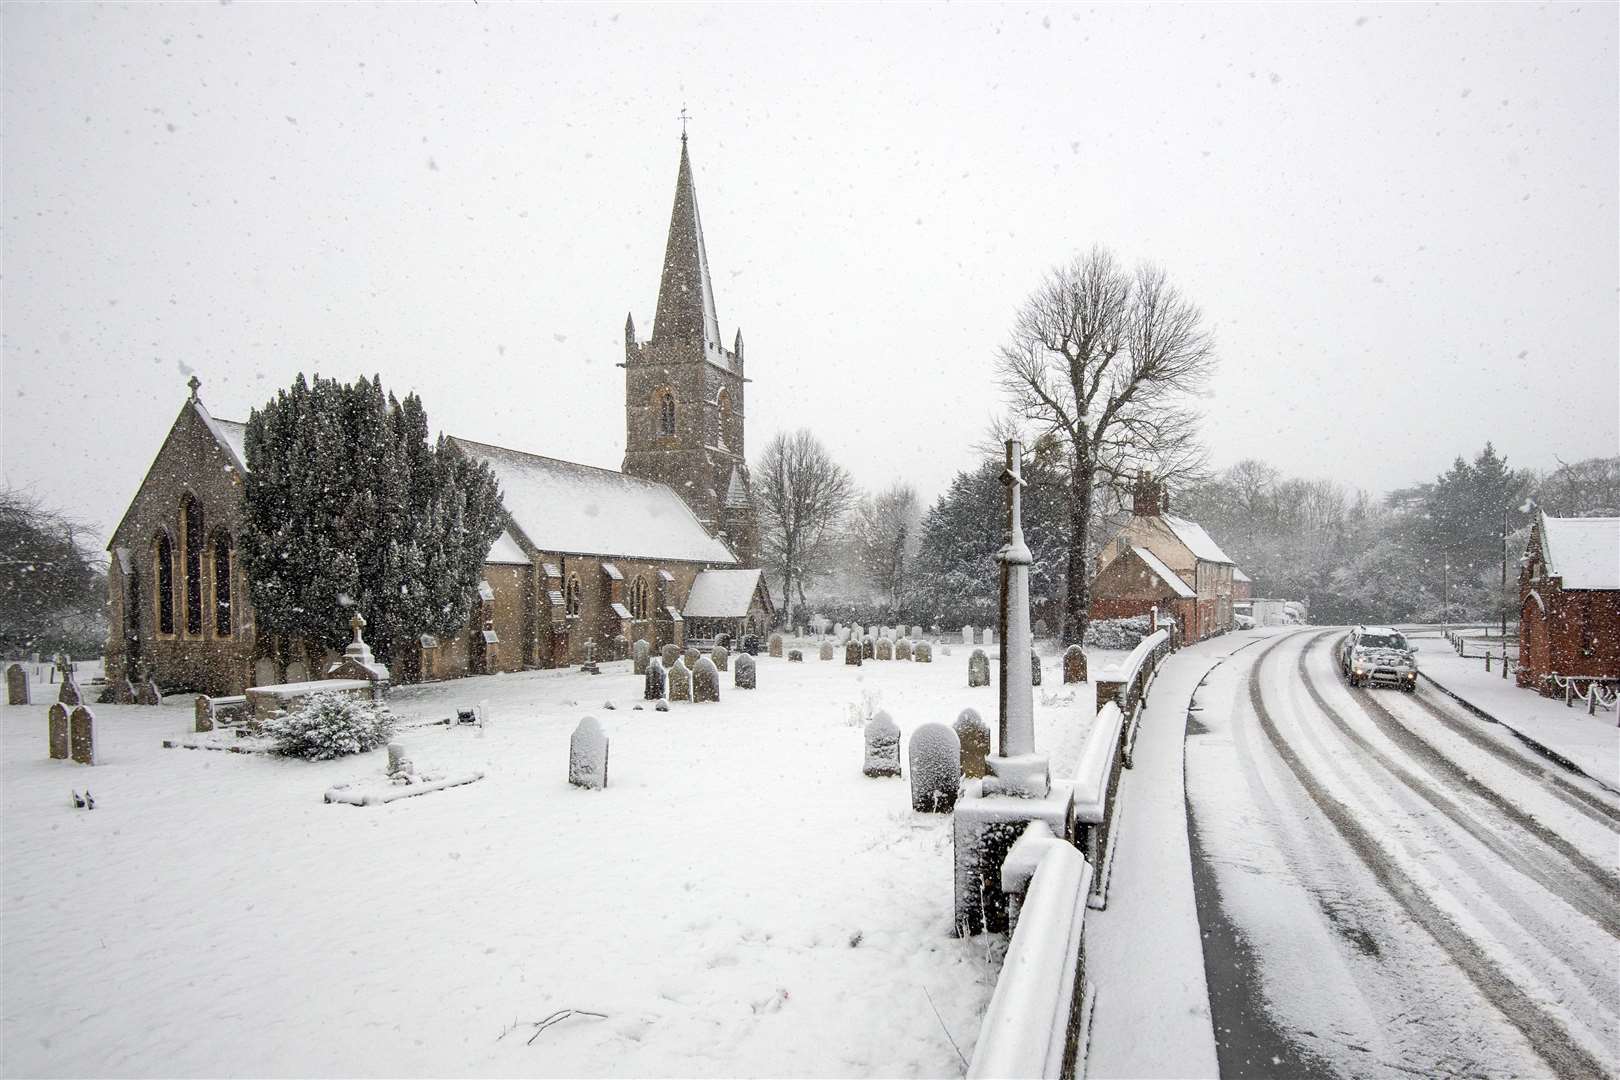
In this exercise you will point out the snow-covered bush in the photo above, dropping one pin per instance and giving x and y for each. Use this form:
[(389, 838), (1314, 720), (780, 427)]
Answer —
[(1117, 633), (330, 725)]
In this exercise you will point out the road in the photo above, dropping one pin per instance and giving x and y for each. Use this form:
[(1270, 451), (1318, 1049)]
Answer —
[(1388, 886)]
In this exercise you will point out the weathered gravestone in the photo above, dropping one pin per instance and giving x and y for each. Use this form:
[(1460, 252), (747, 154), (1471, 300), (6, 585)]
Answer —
[(776, 646), (668, 654), (795, 656), (1074, 664), (148, 694), (705, 681), (56, 720), (852, 654), (588, 755), (902, 649), (1034, 670), (974, 736), (82, 735), (742, 672), (882, 746), (16, 685), (640, 652), (883, 649), (1040, 628), (838, 630), (978, 669), (691, 656), (721, 657), (69, 694), (866, 647), (680, 681), (203, 712), (936, 769), (923, 653), (989, 635), (967, 635), (655, 680), (826, 650), (916, 632)]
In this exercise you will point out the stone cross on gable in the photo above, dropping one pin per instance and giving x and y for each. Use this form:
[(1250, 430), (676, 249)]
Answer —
[(685, 116), (195, 384)]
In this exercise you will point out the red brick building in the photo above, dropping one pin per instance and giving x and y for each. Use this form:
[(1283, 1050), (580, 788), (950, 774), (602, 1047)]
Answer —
[(1157, 547), (1569, 602)]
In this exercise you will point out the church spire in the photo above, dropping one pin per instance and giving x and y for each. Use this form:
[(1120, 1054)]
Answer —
[(685, 295)]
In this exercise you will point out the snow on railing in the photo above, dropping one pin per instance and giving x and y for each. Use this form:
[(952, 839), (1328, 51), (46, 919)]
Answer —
[(1096, 795), (1037, 1019), (1127, 685), (1597, 694)]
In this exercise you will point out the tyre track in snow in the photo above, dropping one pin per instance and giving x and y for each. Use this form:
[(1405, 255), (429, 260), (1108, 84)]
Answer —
[(1551, 1041), (1591, 890)]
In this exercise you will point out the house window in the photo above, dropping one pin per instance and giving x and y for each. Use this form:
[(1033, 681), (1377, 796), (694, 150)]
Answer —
[(572, 607), (640, 598), (222, 584), (192, 538), (165, 584), (666, 413)]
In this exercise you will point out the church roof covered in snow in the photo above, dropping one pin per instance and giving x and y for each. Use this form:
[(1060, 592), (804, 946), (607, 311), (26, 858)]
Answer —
[(1169, 576), (1584, 552), (505, 551), (1199, 542), (721, 594), (737, 491), (231, 434), (578, 509)]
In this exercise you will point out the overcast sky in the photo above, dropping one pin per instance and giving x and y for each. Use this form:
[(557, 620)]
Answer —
[(1400, 221)]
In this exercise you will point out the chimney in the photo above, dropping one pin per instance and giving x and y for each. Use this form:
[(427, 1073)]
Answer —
[(1147, 496)]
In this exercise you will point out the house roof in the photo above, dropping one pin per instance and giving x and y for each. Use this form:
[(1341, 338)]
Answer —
[(1583, 552), (721, 594), (1165, 574), (1238, 575), (1199, 542), (581, 510)]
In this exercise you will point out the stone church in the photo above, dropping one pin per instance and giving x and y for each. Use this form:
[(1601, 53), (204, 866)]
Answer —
[(589, 556)]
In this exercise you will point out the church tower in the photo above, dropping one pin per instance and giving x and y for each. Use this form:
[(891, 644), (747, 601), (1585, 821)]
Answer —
[(684, 404)]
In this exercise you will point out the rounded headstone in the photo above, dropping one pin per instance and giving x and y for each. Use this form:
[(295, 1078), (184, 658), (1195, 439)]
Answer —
[(902, 649), (656, 681), (705, 681), (82, 735), (776, 645), (853, 653), (691, 657), (936, 769), (640, 652), (882, 746), (668, 655), (923, 653), (866, 647), (56, 720), (742, 675), (826, 650), (680, 681), (1074, 664), (883, 649), (1034, 670), (721, 657), (587, 755), (978, 669), (974, 736)]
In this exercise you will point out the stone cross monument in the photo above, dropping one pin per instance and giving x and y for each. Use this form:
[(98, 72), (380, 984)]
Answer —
[(1017, 769)]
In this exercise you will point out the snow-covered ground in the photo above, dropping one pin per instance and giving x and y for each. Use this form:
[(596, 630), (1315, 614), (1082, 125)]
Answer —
[(739, 900), (1591, 742)]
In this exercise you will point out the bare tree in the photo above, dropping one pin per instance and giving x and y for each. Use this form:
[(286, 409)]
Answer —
[(803, 497), (885, 533), (1102, 359)]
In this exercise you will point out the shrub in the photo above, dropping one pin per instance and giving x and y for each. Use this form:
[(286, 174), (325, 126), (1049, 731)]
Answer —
[(1117, 633), (330, 725)]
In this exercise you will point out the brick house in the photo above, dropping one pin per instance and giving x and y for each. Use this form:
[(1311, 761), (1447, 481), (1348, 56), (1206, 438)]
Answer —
[(1569, 602), (587, 554), (1180, 547)]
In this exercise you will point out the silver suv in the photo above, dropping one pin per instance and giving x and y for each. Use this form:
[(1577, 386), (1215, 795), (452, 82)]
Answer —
[(1378, 653)]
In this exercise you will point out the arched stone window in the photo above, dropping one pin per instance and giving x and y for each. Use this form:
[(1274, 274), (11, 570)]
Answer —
[(572, 605), (640, 598), (164, 557), (191, 538), (666, 412), (222, 584)]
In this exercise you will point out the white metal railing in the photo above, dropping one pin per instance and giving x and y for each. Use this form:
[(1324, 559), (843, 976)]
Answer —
[(1127, 685), (1096, 795), (1036, 1022)]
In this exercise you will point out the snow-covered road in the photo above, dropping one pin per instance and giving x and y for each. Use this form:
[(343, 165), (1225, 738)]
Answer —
[(1389, 886)]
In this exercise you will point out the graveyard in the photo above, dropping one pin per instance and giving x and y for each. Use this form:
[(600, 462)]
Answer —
[(741, 897)]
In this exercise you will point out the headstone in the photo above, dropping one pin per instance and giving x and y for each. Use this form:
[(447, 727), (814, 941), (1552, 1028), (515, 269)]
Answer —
[(639, 654), (974, 736), (705, 681), (936, 769), (967, 635), (902, 649), (16, 685), (1040, 628), (69, 694), (1034, 670), (668, 654), (655, 680), (866, 647), (857, 632), (721, 657), (399, 760), (795, 656), (853, 654), (826, 650), (838, 630), (691, 657), (204, 713), (82, 735), (680, 681), (57, 721), (989, 635), (148, 694), (588, 755), (742, 672), (1074, 664), (916, 632), (883, 650), (882, 746), (978, 669), (776, 646), (590, 666), (923, 653)]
